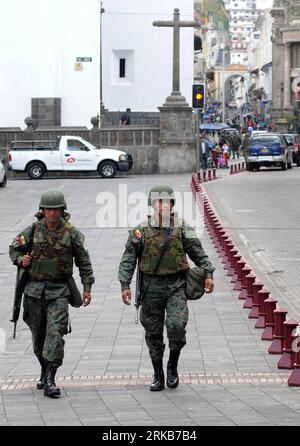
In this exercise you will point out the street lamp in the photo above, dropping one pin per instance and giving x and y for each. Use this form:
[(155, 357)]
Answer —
[(102, 108)]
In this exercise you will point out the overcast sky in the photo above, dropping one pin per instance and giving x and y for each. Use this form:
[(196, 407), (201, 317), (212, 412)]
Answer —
[(264, 4)]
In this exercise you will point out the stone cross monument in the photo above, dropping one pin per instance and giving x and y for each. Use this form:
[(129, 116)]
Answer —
[(176, 98), (177, 136)]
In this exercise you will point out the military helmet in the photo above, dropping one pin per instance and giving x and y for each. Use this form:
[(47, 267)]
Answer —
[(161, 193), (52, 199)]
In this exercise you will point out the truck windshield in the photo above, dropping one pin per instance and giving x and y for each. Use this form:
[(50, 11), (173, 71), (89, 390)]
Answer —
[(86, 143)]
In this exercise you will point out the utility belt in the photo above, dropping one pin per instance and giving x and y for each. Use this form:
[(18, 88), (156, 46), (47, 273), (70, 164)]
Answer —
[(63, 281), (75, 299)]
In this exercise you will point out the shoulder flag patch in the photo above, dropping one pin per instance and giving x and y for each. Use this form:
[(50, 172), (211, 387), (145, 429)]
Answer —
[(137, 233), (22, 240)]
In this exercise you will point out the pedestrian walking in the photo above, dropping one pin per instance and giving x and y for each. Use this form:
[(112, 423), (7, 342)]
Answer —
[(46, 250), (245, 143), (204, 151), (225, 149), (161, 243)]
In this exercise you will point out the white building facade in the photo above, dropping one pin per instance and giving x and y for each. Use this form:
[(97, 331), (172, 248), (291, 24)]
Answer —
[(243, 15), (260, 59), (50, 49)]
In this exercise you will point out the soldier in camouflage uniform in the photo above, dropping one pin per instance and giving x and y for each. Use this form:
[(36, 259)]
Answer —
[(46, 249), (163, 290)]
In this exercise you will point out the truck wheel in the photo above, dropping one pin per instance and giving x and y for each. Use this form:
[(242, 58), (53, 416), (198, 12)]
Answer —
[(35, 170), (107, 169), (3, 184)]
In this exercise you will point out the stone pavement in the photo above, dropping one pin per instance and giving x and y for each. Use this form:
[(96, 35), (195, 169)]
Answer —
[(227, 376)]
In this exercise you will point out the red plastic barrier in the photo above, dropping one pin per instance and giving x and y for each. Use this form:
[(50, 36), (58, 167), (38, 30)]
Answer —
[(250, 279), (263, 294), (276, 348), (270, 318), (245, 271), (239, 266), (287, 360), (257, 286)]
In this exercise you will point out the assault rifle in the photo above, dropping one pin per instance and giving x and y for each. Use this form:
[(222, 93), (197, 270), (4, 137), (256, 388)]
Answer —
[(138, 289)]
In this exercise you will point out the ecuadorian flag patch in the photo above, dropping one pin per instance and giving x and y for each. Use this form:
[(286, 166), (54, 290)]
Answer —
[(22, 240), (137, 233)]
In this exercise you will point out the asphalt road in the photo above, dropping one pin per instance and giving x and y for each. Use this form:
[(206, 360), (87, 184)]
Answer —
[(261, 212)]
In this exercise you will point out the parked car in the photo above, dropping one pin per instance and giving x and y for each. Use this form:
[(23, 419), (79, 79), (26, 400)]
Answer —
[(69, 153), (3, 178), (269, 150), (293, 141)]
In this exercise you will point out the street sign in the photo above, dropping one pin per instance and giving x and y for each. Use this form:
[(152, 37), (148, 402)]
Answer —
[(83, 59)]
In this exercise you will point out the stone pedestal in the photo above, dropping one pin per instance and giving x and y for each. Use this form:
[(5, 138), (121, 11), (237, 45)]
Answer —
[(177, 136), (282, 125)]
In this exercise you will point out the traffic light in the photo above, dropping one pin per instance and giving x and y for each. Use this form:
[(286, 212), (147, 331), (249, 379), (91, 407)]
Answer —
[(198, 96)]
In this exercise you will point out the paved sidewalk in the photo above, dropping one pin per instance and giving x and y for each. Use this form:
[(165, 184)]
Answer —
[(227, 376)]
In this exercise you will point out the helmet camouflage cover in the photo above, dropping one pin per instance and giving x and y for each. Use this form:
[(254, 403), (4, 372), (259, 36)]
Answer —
[(52, 199), (161, 193)]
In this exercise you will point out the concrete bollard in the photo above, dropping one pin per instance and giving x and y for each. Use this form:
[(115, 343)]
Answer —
[(199, 176), (268, 332), (204, 175), (239, 167), (214, 174), (287, 360), (231, 169), (294, 379), (276, 348), (235, 168), (263, 294), (209, 175), (257, 286), (243, 165), (250, 279), (245, 271)]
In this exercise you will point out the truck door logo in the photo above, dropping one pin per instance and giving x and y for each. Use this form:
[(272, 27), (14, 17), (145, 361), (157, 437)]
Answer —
[(71, 160)]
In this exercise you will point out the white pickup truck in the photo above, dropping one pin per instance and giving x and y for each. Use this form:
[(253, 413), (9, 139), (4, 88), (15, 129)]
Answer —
[(70, 153)]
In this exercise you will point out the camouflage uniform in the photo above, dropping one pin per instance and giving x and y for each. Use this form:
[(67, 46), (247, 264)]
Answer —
[(163, 292), (46, 293)]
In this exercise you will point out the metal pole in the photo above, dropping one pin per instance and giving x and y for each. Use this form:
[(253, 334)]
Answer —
[(223, 82), (197, 140), (102, 10)]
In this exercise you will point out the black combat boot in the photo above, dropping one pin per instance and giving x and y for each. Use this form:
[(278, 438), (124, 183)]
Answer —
[(41, 382), (50, 388), (172, 374), (158, 382)]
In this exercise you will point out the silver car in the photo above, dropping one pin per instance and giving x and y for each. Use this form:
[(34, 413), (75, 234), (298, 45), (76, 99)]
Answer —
[(3, 178)]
